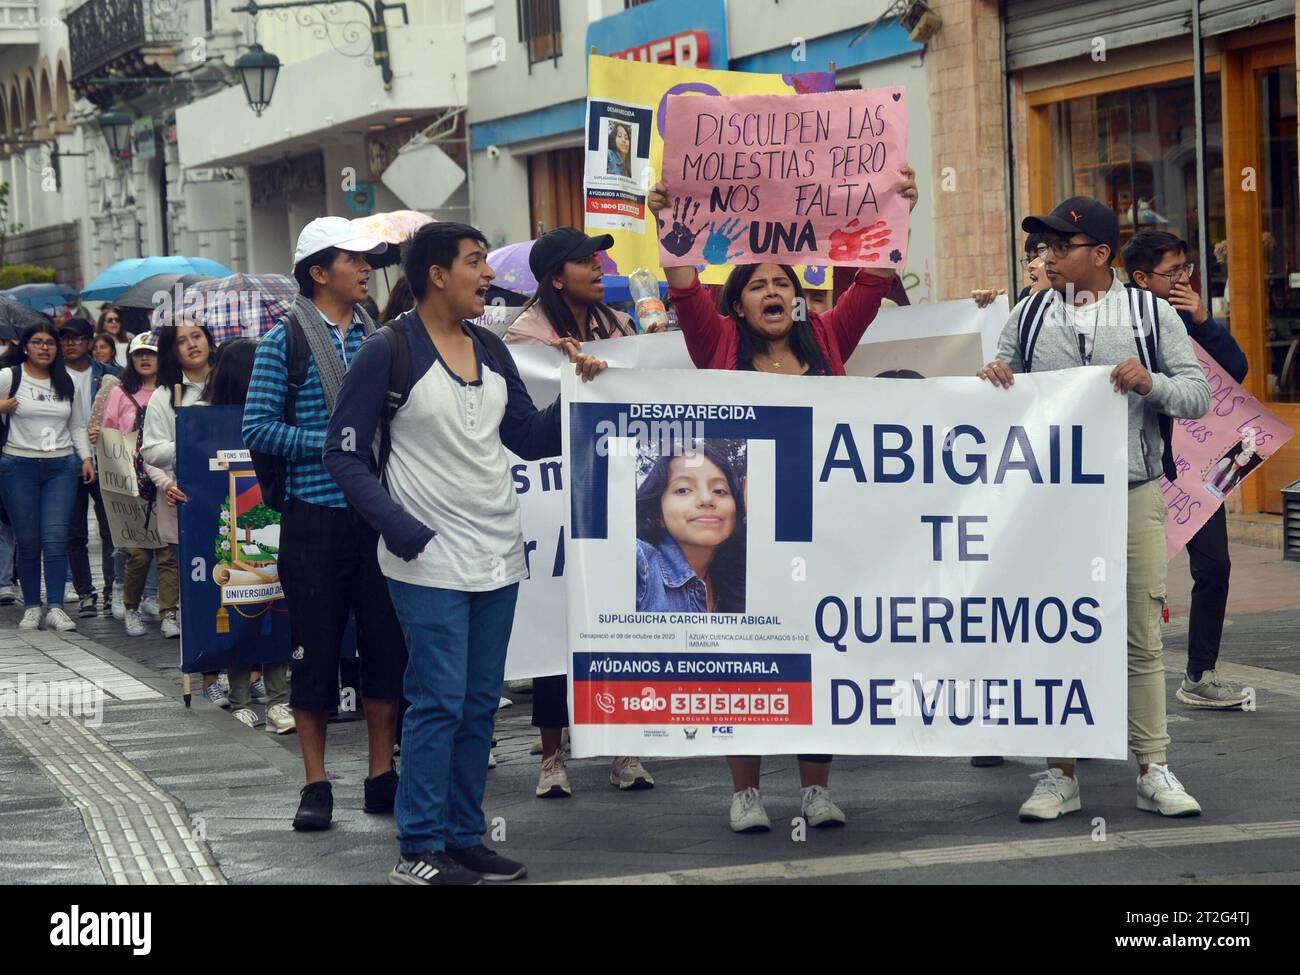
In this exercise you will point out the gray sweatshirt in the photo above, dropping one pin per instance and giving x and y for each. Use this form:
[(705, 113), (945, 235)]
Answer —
[(1178, 386)]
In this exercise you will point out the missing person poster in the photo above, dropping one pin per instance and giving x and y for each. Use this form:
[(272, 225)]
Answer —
[(617, 170), (234, 609), (764, 564)]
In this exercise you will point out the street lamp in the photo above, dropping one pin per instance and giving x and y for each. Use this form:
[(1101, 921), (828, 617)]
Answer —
[(258, 69), (116, 126)]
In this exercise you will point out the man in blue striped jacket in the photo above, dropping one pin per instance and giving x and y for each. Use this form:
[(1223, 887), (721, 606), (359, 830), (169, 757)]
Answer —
[(328, 556)]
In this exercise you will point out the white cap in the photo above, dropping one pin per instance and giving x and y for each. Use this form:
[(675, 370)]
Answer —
[(144, 342), (337, 232)]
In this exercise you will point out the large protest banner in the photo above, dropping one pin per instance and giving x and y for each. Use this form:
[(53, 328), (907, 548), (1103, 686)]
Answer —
[(233, 610), (876, 575), (132, 520), (627, 103), (953, 338), (795, 179), (1216, 452)]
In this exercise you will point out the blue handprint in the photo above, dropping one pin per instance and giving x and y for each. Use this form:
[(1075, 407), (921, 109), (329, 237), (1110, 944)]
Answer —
[(720, 240), (814, 275)]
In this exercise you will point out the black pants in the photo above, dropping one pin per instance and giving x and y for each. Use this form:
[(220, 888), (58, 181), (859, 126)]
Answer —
[(1208, 553), (79, 537)]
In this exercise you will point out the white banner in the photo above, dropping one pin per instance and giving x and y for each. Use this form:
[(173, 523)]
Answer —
[(853, 566), (115, 461), (132, 521), (950, 339)]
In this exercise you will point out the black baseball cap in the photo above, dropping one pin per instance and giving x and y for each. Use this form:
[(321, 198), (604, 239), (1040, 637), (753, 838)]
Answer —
[(81, 328), (562, 244), (1079, 215)]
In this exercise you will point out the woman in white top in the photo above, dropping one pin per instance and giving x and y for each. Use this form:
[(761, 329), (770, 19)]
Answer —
[(185, 353), (45, 451)]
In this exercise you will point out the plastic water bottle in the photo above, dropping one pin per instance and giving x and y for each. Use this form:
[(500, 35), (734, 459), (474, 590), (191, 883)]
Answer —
[(649, 306)]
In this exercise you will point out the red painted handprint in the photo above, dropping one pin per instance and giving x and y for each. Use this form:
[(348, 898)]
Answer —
[(864, 244)]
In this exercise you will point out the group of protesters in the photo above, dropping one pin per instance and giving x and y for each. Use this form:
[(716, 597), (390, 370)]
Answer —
[(399, 512)]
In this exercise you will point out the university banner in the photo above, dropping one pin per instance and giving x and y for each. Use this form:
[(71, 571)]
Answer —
[(763, 564), (1216, 452), (132, 520), (233, 610), (953, 338), (624, 147)]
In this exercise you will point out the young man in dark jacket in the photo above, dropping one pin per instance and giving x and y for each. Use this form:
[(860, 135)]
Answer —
[(450, 539), (1157, 262)]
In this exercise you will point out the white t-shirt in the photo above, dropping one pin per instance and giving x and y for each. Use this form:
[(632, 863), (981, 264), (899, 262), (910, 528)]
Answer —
[(120, 353), (83, 381), (43, 426)]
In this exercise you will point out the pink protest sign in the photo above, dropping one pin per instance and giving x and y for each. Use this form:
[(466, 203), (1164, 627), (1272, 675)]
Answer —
[(1216, 452), (793, 179)]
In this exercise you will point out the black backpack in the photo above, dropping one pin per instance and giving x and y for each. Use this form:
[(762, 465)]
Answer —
[(399, 374), (1142, 304), (273, 470), (15, 377)]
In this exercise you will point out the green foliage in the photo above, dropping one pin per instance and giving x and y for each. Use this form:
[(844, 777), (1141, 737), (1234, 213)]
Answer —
[(16, 274), (258, 517)]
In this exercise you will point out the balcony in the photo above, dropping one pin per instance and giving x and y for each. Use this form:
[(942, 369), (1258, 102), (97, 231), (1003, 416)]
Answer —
[(19, 23), (135, 38)]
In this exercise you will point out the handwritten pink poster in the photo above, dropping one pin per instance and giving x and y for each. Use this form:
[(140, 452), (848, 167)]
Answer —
[(1215, 453), (793, 179)]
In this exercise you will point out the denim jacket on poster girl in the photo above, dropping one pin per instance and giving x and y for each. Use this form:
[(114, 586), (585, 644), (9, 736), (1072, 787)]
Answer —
[(665, 581)]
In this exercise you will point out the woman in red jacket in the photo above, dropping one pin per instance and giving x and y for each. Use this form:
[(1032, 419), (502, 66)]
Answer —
[(766, 326)]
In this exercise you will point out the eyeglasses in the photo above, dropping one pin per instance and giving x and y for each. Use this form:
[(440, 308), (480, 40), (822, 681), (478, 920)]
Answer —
[(112, 321), (42, 344), (1183, 271), (1061, 248)]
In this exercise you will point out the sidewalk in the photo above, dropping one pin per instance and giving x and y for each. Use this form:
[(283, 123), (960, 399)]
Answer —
[(223, 796)]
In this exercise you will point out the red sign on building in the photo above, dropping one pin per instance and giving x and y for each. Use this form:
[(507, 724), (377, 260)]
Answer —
[(688, 49)]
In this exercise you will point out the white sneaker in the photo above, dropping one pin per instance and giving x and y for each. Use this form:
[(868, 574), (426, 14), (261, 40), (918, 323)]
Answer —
[(492, 759), (247, 717), (747, 812), (553, 780), (1055, 795), (57, 619), (119, 607), (1209, 692), (31, 619), (627, 772), (149, 607), (279, 719), (504, 703), (1159, 791), (135, 623), (10, 595), (70, 594), (170, 628), (818, 809)]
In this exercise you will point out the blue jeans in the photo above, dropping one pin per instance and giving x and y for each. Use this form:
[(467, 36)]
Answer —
[(39, 494), (8, 546), (456, 642)]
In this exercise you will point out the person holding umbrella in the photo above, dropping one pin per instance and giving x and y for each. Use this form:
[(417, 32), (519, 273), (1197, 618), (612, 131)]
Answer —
[(45, 452)]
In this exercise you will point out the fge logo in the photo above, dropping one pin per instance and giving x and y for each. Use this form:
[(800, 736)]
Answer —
[(723, 731), (103, 929)]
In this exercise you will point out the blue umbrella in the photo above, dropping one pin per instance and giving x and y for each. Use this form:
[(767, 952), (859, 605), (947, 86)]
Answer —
[(513, 274), (120, 276), (46, 297)]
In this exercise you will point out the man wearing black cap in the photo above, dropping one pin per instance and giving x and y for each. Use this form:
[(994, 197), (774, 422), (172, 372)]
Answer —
[(1087, 318), (76, 335)]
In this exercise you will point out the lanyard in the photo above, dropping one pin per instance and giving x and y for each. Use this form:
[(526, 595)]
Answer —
[(1084, 354)]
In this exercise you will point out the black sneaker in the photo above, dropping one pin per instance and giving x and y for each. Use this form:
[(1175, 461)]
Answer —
[(381, 792), (316, 807), (86, 609), (432, 869), (488, 863)]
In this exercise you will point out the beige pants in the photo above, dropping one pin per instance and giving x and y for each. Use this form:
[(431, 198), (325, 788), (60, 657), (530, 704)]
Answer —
[(1148, 730)]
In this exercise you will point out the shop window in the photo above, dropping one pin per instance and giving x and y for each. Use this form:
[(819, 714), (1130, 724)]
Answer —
[(539, 29), (1135, 150), (1281, 229)]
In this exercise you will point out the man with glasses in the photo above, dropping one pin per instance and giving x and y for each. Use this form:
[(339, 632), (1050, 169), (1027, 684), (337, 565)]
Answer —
[(1032, 265), (76, 335), (1157, 262), (1087, 319)]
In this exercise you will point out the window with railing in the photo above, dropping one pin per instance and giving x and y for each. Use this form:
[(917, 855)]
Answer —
[(539, 29)]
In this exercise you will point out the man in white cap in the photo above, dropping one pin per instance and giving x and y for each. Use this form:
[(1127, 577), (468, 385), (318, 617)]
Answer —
[(328, 558)]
